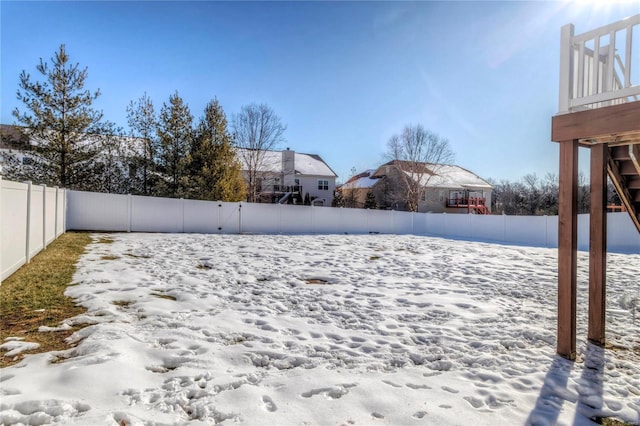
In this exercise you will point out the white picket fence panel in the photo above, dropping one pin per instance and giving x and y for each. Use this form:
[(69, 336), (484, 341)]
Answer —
[(109, 212), (31, 217)]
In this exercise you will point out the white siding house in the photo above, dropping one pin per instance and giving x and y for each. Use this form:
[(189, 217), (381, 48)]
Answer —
[(288, 176)]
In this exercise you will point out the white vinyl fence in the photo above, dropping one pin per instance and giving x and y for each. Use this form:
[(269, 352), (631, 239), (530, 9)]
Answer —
[(31, 217), (110, 212)]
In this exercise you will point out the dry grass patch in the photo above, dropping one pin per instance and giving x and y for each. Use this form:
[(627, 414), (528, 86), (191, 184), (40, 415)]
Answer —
[(319, 281), (607, 421), (109, 257), (34, 296), (105, 240), (138, 256), (163, 296)]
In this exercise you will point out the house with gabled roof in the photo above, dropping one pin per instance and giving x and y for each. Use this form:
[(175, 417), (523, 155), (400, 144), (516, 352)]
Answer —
[(443, 188), (288, 176)]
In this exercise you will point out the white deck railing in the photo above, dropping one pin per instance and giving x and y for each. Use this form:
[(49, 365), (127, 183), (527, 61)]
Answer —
[(596, 68)]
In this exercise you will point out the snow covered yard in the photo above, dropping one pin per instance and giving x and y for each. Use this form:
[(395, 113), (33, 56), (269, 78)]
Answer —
[(328, 330)]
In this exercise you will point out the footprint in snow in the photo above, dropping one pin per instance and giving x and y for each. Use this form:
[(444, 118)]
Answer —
[(269, 404), (419, 414), (448, 389)]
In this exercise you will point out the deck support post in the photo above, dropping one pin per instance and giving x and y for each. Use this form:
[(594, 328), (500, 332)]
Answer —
[(598, 244), (567, 248)]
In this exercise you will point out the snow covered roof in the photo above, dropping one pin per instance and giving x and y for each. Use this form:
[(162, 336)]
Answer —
[(432, 175), (304, 164), (312, 164), (452, 176), (361, 181)]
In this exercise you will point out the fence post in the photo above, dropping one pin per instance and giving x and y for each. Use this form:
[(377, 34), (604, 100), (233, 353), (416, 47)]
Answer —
[(546, 231), (129, 211), (413, 215), (28, 230), (182, 202), (504, 227), (55, 216), (44, 217), (393, 220), (64, 211), (240, 217)]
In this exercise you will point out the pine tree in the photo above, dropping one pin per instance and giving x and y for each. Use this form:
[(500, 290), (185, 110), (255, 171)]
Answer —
[(61, 123), (307, 199), (175, 136), (338, 200), (214, 168), (370, 201), (142, 121)]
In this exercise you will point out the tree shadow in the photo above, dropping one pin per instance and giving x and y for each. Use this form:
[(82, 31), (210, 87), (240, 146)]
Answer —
[(588, 394)]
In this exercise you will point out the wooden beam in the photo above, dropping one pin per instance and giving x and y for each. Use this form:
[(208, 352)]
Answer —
[(634, 155), (567, 248), (598, 244), (608, 122)]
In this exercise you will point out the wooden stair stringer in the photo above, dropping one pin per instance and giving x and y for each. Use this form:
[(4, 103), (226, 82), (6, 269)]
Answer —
[(626, 183)]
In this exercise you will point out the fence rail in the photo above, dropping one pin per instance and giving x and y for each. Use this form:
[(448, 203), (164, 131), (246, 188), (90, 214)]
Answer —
[(31, 217)]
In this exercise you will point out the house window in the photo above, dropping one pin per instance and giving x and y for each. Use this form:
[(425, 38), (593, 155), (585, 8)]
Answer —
[(323, 184)]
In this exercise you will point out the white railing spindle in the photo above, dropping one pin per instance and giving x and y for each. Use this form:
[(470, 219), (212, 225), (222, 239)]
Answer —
[(591, 80)]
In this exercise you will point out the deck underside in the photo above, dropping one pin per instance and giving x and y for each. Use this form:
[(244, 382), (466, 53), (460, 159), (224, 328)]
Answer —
[(618, 127)]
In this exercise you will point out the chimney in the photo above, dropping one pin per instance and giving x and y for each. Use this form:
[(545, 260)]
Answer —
[(288, 166)]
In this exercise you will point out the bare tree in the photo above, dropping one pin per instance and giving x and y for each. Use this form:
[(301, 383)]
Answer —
[(256, 130), (417, 155)]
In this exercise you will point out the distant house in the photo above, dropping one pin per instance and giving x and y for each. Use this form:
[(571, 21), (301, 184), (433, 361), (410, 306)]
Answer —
[(288, 176), (444, 188), (15, 142)]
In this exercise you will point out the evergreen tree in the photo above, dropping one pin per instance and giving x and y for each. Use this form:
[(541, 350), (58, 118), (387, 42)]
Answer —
[(307, 199), (61, 123), (175, 136), (215, 170), (370, 201), (142, 121), (338, 200)]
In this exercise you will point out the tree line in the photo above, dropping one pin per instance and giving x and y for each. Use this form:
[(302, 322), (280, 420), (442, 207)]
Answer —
[(68, 143), (532, 195)]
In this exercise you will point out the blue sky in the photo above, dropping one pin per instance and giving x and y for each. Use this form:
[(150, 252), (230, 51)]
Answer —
[(343, 76)]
